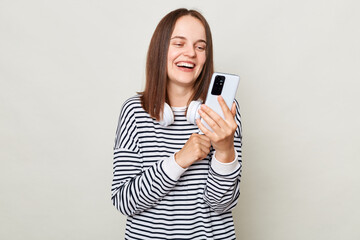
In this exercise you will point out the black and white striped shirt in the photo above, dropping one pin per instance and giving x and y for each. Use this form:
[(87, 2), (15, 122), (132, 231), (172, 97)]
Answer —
[(161, 199)]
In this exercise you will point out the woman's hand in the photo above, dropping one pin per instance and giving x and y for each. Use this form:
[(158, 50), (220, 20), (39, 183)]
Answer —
[(196, 148), (222, 137)]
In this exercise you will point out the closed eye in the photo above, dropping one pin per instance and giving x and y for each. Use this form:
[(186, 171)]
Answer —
[(200, 47), (178, 44)]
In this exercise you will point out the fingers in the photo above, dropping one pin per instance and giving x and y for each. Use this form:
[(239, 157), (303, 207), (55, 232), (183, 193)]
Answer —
[(210, 114), (214, 120), (199, 145), (233, 109), (227, 113), (196, 148), (202, 140), (210, 117), (204, 129), (223, 130)]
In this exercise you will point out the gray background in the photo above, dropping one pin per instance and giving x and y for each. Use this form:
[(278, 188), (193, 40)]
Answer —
[(67, 66)]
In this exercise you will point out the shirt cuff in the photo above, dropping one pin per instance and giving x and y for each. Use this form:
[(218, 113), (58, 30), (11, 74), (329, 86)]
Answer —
[(172, 169), (225, 168)]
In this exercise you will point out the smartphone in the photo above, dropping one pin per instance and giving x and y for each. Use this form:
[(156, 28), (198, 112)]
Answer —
[(223, 84)]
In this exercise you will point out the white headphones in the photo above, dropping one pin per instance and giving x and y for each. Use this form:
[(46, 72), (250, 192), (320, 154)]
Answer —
[(191, 115)]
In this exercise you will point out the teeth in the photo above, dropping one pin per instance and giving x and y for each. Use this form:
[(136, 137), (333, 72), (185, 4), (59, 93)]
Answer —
[(189, 65)]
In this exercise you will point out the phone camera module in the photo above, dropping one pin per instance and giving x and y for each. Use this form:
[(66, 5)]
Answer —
[(218, 85)]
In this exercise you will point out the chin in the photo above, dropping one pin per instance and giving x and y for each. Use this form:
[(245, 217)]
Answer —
[(186, 82)]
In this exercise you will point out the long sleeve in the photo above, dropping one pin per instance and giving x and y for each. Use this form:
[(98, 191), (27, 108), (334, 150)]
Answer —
[(161, 199), (134, 188), (222, 188)]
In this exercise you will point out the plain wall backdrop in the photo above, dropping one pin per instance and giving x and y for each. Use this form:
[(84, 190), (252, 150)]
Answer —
[(67, 66)]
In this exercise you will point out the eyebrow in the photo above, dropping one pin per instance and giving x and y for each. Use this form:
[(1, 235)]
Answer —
[(184, 38)]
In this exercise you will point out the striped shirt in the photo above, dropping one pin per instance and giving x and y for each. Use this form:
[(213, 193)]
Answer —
[(160, 199)]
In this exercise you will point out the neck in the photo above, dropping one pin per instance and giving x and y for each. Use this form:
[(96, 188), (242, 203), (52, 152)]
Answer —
[(179, 96)]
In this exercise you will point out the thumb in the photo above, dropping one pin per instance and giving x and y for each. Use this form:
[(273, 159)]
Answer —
[(233, 109)]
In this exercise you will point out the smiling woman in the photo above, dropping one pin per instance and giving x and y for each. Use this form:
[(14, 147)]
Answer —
[(175, 31), (171, 181), (186, 57)]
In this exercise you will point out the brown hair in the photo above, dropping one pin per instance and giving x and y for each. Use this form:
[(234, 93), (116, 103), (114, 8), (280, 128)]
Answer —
[(154, 96)]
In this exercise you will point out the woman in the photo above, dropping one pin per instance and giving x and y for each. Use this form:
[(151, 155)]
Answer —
[(170, 181)]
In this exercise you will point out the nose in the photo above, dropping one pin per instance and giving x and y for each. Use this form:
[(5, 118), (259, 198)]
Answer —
[(190, 51)]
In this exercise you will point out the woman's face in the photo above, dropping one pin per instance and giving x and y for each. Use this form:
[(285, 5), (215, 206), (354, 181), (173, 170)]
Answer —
[(187, 51)]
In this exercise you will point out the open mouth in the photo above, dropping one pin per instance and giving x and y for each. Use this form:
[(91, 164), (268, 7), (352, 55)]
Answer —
[(185, 65)]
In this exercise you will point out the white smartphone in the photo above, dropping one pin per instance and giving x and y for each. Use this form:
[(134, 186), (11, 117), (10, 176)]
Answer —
[(223, 84)]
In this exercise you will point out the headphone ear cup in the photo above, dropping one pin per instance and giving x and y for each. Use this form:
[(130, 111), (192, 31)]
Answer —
[(193, 111), (167, 117)]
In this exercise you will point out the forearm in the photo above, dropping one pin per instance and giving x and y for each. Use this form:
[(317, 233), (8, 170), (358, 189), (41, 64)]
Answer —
[(135, 192), (226, 156), (222, 188)]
